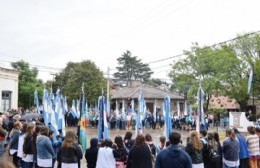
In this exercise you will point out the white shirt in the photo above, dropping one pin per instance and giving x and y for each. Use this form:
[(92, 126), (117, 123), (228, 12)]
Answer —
[(105, 158)]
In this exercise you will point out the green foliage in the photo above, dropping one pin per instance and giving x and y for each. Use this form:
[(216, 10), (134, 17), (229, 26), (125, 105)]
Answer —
[(156, 82), (131, 68), (213, 66), (28, 82), (70, 81)]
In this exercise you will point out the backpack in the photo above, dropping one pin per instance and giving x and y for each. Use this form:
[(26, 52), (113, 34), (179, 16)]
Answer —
[(213, 153)]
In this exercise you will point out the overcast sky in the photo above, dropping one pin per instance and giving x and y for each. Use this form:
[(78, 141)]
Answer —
[(50, 33)]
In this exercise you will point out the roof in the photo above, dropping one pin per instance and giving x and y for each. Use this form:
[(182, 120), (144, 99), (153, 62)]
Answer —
[(9, 70), (223, 102), (147, 90)]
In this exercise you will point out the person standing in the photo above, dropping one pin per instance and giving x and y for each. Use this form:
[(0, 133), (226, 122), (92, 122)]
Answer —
[(253, 146), (3, 133), (140, 154), (121, 151), (231, 150), (214, 154), (106, 156), (14, 140), (216, 137), (70, 153), (91, 153), (162, 144), (173, 156), (45, 152), (243, 151), (28, 146), (194, 148)]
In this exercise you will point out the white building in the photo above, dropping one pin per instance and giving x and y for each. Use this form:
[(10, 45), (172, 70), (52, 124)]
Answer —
[(8, 89)]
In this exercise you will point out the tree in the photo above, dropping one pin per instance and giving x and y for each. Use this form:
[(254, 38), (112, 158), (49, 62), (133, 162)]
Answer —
[(213, 66), (131, 68), (28, 82), (72, 77)]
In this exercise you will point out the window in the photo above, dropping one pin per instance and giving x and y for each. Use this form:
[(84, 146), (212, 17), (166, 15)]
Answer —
[(6, 101)]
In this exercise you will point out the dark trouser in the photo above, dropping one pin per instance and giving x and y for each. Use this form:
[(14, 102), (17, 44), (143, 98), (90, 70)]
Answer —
[(15, 159), (243, 163), (27, 164)]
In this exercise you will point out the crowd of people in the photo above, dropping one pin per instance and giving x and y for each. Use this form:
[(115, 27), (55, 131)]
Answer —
[(32, 144)]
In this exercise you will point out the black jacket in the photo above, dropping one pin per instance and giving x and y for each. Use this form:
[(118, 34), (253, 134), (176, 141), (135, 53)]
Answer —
[(139, 157), (91, 157), (70, 154), (196, 155)]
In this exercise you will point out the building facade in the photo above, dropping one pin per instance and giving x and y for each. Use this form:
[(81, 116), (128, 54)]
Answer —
[(8, 89)]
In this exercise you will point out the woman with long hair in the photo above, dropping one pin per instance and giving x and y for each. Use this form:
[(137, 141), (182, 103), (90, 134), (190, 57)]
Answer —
[(194, 149), (70, 152), (35, 135), (214, 155), (14, 135), (121, 150), (106, 155), (231, 150), (91, 153), (140, 154), (129, 142), (27, 146), (45, 151), (216, 137)]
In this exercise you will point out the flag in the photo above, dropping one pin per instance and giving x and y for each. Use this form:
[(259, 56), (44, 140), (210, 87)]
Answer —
[(36, 101), (200, 111), (167, 104), (250, 79), (45, 107), (178, 109), (117, 111), (73, 110), (185, 108), (102, 123), (82, 123), (190, 115), (154, 111), (138, 126), (123, 111), (132, 106)]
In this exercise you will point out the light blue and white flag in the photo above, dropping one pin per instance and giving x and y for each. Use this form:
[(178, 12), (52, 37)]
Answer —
[(154, 110), (185, 108), (45, 107), (117, 110), (250, 79), (138, 126), (132, 106), (36, 101), (167, 105), (190, 115), (178, 109), (102, 123)]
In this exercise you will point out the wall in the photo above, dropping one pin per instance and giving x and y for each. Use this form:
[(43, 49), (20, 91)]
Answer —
[(9, 82)]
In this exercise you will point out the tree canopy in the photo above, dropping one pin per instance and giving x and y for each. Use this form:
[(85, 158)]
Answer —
[(28, 82), (131, 68), (72, 77), (222, 69)]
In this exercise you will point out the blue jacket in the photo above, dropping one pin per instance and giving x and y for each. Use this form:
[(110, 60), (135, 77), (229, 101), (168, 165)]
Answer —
[(44, 147), (231, 149), (14, 140), (173, 156), (243, 153)]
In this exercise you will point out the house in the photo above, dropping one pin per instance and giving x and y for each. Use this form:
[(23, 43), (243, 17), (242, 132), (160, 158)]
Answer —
[(8, 89), (224, 102), (152, 95)]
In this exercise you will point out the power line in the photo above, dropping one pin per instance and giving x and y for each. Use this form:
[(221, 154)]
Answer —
[(214, 45)]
